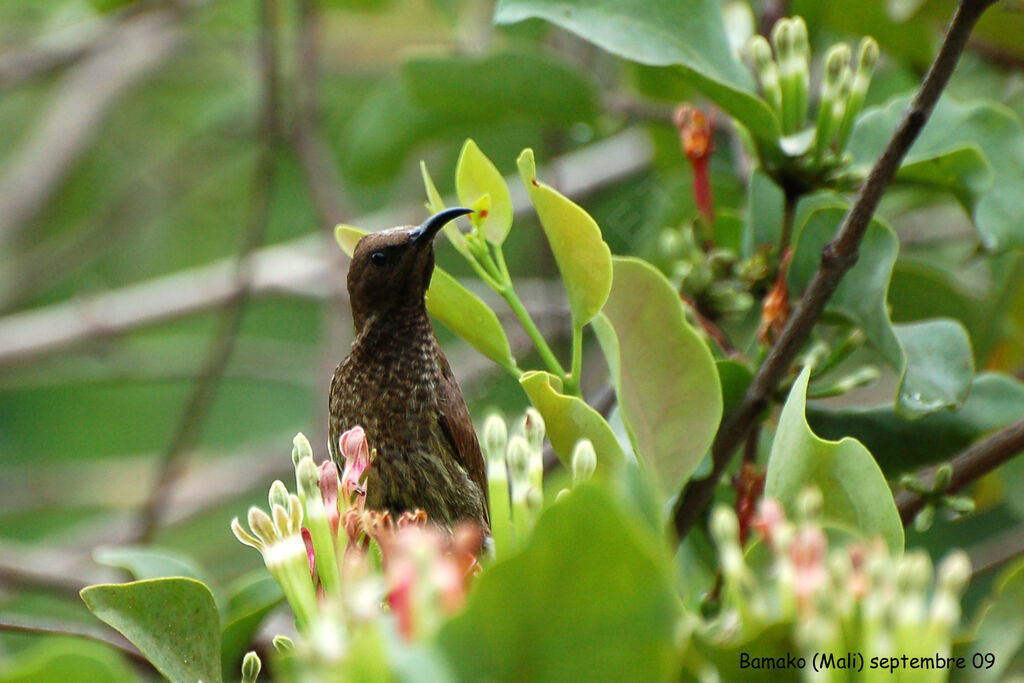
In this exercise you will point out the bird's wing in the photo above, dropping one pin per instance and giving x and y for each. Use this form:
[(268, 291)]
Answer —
[(458, 428)]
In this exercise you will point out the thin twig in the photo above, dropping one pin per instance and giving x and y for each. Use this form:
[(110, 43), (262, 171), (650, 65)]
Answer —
[(978, 460), (24, 624), (200, 400), (837, 258)]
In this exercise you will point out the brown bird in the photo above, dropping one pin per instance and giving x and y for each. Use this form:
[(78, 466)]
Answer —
[(396, 383)]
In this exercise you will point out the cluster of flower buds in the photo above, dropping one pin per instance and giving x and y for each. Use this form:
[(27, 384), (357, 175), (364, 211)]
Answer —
[(855, 598), (715, 279), (935, 497), (319, 546), (515, 479), (785, 83)]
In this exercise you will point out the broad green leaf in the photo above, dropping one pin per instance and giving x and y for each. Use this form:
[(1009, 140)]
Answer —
[(939, 366), (690, 36), (475, 177), (569, 419), (457, 308), (566, 610), (149, 563), (901, 445), (854, 490), (504, 84), (1000, 629), (583, 258), (173, 622), (465, 314), (973, 149), (765, 202), (59, 660), (251, 599), (933, 358), (664, 375)]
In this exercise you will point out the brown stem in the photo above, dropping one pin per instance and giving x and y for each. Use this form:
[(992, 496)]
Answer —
[(199, 402), (836, 259), (978, 460)]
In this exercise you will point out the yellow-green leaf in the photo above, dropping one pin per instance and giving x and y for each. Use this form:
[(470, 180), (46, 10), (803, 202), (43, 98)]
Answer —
[(665, 377), (853, 487), (435, 204), (583, 258), (476, 176), (569, 419), (454, 306)]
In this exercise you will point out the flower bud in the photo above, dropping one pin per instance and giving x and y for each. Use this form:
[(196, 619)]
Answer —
[(767, 72), (943, 475), (809, 504), (519, 462), (782, 37), (533, 428), (954, 573), (584, 461), (300, 449), (283, 644), (251, 666), (837, 59), (867, 57), (924, 519), (801, 71), (725, 528), (308, 478), (278, 494), (962, 505), (495, 440)]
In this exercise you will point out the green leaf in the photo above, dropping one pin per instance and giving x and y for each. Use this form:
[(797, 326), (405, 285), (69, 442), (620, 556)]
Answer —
[(690, 36), (454, 306), (148, 562), (251, 599), (765, 202), (173, 622), (939, 366), (933, 358), (583, 258), (901, 445), (1000, 629), (972, 149), (566, 610), (569, 419), (855, 493), (435, 204), (475, 177), (664, 375), (57, 660), (465, 314), (504, 84)]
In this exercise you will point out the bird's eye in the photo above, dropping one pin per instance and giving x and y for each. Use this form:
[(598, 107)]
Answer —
[(379, 259)]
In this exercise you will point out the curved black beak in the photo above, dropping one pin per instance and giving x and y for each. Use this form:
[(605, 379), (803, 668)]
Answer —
[(428, 230)]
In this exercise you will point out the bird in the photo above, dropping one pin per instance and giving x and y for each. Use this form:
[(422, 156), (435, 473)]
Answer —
[(397, 384)]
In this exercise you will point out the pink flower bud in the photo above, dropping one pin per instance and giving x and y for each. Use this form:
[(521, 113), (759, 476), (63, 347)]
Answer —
[(329, 492), (307, 540)]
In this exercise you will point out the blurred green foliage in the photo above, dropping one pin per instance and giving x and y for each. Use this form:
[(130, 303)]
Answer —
[(160, 182)]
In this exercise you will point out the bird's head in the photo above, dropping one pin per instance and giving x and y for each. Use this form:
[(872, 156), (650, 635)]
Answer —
[(393, 267)]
